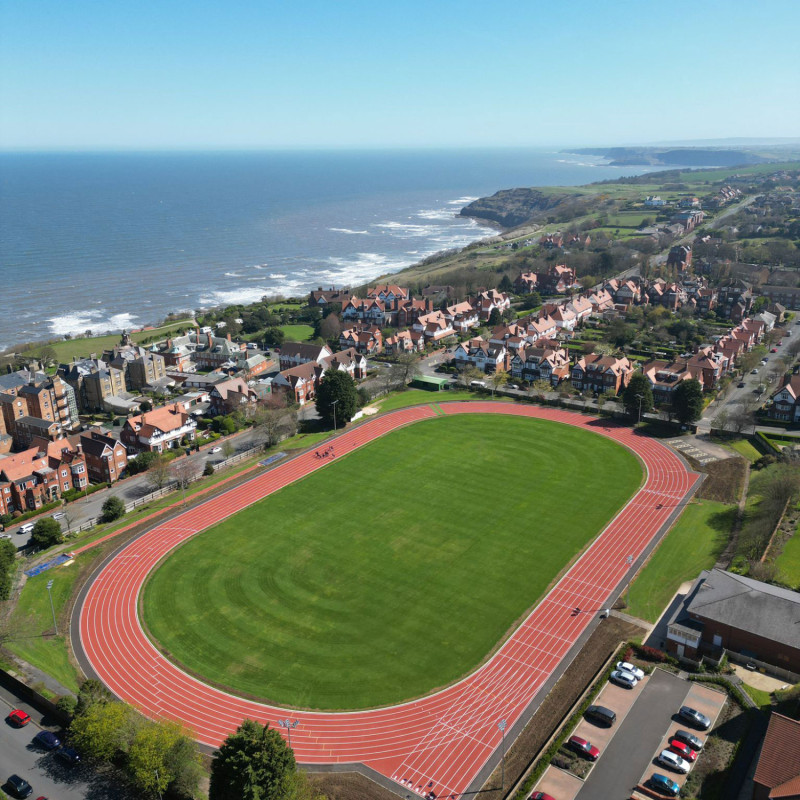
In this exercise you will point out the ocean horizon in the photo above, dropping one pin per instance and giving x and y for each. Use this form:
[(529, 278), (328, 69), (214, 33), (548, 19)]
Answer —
[(111, 240)]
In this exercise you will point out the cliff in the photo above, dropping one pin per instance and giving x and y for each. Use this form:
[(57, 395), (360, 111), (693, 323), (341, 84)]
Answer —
[(677, 156)]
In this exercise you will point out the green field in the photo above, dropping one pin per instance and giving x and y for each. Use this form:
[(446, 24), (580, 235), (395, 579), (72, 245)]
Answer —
[(80, 347), (788, 562), (297, 333), (392, 571), (691, 546)]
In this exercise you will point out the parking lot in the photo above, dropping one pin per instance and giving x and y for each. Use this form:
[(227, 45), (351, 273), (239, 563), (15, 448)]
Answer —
[(646, 719)]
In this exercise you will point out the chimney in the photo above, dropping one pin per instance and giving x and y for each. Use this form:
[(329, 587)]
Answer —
[(169, 343), (228, 337), (208, 338)]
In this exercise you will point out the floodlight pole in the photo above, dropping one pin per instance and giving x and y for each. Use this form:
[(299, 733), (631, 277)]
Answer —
[(50, 595), (334, 414), (641, 397), (288, 724), (502, 726)]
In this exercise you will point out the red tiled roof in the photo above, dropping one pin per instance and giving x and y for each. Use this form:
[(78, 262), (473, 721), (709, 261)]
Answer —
[(779, 762)]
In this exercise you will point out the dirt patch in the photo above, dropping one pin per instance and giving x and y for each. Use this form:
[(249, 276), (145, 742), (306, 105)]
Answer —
[(569, 761), (349, 786), (724, 479), (549, 716)]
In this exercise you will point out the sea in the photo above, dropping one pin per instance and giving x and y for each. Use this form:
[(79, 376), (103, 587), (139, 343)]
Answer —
[(105, 241)]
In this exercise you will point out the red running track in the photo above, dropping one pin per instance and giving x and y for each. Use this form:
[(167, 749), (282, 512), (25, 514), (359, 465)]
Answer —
[(439, 742)]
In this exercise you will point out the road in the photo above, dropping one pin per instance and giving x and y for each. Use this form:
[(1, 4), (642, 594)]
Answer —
[(42, 770)]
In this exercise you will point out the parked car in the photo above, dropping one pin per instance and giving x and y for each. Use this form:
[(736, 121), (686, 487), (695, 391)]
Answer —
[(215, 450), (624, 679), (68, 756), (688, 738), (18, 718), (601, 715), (584, 748), (740, 385), (59, 515), (754, 371), (673, 761), (47, 740), (693, 716), (661, 783), (626, 666), (774, 350), (683, 750), (19, 787), (541, 796)]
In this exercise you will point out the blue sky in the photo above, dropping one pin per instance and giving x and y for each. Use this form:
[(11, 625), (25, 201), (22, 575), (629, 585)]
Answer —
[(173, 74)]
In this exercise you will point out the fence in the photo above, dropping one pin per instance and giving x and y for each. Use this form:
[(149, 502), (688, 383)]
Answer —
[(762, 666)]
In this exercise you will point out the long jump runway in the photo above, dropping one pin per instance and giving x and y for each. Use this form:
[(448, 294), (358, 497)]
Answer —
[(438, 743)]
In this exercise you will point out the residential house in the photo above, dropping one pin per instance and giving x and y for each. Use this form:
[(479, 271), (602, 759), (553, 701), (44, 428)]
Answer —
[(366, 340), (300, 382), (141, 367), (533, 363), (34, 477), (488, 301), (232, 395), (706, 300), (322, 298), (295, 353), (543, 326), (628, 294), (688, 220), (526, 283), (552, 241), (665, 376), (106, 458), (689, 202), (556, 280), (350, 361), (581, 307), (777, 772), (93, 382), (434, 327), (409, 311), (565, 318), (601, 301), (462, 316), (598, 373), (480, 354), (389, 293), (654, 201), (680, 257), (404, 342), (158, 430), (371, 311), (736, 299), (787, 296), (786, 401), (768, 319), (724, 611)]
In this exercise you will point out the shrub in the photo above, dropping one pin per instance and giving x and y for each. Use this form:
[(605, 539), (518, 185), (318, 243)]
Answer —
[(46, 533), (67, 704), (113, 508), (75, 494), (208, 469)]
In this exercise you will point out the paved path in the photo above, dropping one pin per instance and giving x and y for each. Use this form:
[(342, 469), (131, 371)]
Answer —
[(440, 742)]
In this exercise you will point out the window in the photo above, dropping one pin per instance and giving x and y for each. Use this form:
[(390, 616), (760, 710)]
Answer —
[(66, 487)]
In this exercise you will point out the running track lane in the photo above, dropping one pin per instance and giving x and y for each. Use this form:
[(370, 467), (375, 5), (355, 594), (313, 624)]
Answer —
[(439, 742)]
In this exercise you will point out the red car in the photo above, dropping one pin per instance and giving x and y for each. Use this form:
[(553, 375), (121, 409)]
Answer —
[(583, 747), (683, 750), (774, 350), (541, 796), (18, 718)]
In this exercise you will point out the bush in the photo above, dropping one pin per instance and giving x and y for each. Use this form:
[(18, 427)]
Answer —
[(113, 508), (208, 469), (67, 704), (75, 494), (46, 533)]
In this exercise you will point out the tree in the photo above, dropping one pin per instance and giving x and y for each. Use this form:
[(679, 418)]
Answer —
[(145, 406), (274, 337), (330, 327), (498, 379), (91, 693), (184, 472), (531, 301), (102, 730), (408, 367), (721, 420), (158, 756), (254, 763), (470, 374), (274, 420), (142, 462), (337, 398), (506, 285), (113, 508), (540, 387), (46, 533), (638, 396), (227, 448), (208, 469), (495, 318), (687, 401), (158, 472), (8, 558)]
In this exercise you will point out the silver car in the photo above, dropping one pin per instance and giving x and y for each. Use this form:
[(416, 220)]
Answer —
[(624, 679), (626, 666), (673, 761)]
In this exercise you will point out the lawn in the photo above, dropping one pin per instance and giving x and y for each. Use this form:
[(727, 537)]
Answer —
[(788, 562), (36, 644), (744, 448), (392, 571), (691, 546), (415, 397), (82, 346), (297, 333)]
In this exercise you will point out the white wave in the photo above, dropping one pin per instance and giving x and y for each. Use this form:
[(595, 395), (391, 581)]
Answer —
[(259, 266), (95, 320), (462, 201), (276, 276), (233, 275), (351, 232), (436, 213), (409, 230), (233, 296)]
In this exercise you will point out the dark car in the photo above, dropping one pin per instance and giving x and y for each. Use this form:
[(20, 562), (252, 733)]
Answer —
[(68, 755), (688, 738), (601, 715), (664, 784), (740, 385), (47, 740), (693, 716), (19, 787)]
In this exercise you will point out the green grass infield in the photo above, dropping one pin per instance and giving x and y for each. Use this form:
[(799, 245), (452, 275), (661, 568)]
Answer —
[(392, 571)]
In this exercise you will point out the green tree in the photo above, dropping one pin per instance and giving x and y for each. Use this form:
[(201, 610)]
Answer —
[(687, 401), (46, 533), (158, 472), (113, 508), (254, 763), (91, 693), (337, 395), (208, 469), (8, 556), (274, 337), (638, 395), (531, 301), (495, 318), (101, 731), (506, 285), (159, 757)]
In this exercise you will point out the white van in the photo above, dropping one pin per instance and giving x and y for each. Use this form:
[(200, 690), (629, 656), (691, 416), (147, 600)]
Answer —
[(478, 384), (26, 528)]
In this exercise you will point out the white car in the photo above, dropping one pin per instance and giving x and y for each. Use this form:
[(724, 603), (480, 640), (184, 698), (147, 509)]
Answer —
[(626, 666), (673, 761), (5, 535), (624, 679), (215, 450)]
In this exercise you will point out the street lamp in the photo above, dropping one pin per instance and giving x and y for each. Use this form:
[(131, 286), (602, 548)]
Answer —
[(334, 414), (50, 595), (641, 397), (502, 726), (288, 724)]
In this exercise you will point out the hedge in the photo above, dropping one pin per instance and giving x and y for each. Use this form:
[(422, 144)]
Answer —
[(75, 494), (28, 514)]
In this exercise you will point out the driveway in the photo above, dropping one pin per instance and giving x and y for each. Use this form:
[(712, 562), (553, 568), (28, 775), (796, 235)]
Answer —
[(637, 737)]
